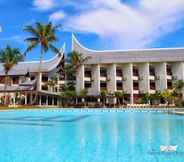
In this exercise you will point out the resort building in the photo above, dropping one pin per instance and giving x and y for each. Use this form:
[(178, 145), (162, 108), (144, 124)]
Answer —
[(34, 83), (135, 72)]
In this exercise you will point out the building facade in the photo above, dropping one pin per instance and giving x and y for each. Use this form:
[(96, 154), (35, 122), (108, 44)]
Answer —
[(135, 72), (34, 83)]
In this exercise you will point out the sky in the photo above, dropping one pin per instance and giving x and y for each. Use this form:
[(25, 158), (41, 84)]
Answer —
[(97, 24)]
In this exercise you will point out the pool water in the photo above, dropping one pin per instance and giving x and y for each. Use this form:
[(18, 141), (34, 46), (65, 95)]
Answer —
[(87, 136)]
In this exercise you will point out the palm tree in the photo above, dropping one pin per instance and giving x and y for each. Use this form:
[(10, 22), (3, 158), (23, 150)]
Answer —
[(167, 95), (68, 93), (103, 95), (74, 62), (118, 95), (9, 57), (83, 94), (146, 98), (52, 82), (43, 36), (156, 97), (77, 59), (178, 86)]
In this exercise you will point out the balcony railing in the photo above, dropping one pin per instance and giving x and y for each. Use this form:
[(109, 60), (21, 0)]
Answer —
[(136, 88)]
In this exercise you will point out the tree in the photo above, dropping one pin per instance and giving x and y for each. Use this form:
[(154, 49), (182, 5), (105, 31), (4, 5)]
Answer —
[(103, 95), (68, 93), (178, 86), (83, 94), (118, 95), (74, 62), (9, 57), (145, 98), (167, 95), (52, 82), (156, 97), (43, 36)]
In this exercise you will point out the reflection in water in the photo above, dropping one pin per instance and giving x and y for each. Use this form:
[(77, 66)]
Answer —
[(84, 137), (131, 133)]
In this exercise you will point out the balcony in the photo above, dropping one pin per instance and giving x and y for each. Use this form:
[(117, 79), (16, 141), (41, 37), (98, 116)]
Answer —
[(169, 84), (169, 70), (119, 86), (103, 86), (136, 87)]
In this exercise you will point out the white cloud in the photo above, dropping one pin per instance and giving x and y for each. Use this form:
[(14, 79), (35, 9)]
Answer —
[(44, 4), (129, 26), (56, 16), (1, 29)]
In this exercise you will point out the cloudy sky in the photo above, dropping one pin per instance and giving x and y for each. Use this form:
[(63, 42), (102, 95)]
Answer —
[(98, 24)]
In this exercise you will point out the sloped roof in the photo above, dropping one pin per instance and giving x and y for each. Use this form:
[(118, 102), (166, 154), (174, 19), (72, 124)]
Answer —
[(33, 66), (16, 88), (129, 56)]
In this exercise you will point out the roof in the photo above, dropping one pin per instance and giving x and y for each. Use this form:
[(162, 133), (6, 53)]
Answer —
[(16, 88), (33, 66), (129, 56)]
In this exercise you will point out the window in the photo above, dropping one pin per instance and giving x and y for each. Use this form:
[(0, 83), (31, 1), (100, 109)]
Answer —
[(15, 80), (87, 85)]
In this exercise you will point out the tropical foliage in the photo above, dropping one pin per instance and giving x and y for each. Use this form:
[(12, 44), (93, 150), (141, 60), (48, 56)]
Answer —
[(103, 96), (42, 36), (119, 95), (9, 57)]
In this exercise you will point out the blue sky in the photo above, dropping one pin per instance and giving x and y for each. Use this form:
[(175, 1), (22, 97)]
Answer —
[(98, 24)]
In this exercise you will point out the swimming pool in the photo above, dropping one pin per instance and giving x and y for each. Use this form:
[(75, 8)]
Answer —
[(90, 135)]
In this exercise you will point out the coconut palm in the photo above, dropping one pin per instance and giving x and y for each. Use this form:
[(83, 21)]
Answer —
[(77, 59), (156, 97), (168, 95), (52, 82), (146, 98), (43, 36), (178, 86), (9, 57), (83, 94), (103, 95), (118, 95), (68, 93)]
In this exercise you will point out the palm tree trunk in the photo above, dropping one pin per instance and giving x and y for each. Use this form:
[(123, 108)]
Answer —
[(39, 75), (5, 87)]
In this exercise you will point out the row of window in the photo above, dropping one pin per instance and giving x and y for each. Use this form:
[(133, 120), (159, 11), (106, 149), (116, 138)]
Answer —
[(119, 85), (119, 71)]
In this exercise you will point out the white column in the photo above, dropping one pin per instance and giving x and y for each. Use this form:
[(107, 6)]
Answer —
[(95, 89), (31, 98), (161, 76), (128, 80), (52, 101), (80, 79), (40, 100), (39, 82), (111, 76), (25, 98), (111, 80), (144, 82), (46, 100)]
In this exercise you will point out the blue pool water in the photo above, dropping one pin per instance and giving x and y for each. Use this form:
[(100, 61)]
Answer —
[(89, 136)]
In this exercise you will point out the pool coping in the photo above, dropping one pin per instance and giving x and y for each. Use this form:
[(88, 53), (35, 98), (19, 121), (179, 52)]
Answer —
[(177, 111)]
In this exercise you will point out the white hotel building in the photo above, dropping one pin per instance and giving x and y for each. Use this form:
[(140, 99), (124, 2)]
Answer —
[(134, 71)]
